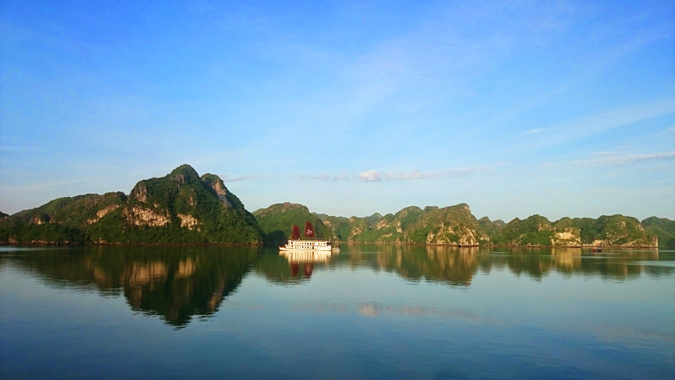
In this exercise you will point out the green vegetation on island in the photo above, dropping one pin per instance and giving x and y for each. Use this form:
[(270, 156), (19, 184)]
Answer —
[(276, 222), (180, 208), (184, 208), (661, 227), (456, 226)]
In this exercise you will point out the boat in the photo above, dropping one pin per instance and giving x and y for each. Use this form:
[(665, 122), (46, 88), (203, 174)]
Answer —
[(310, 243)]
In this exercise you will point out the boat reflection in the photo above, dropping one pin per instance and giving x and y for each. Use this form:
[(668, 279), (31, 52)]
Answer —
[(305, 259), (306, 256)]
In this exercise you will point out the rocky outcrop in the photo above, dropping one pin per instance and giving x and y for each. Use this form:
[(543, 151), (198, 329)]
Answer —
[(566, 237), (139, 192), (456, 235), (218, 187), (140, 216), (102, 212), (188, 221), (40, 219)]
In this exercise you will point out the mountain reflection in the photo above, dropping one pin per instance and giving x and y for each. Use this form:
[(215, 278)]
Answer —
[(177, 283), (457, 266), (174, 283)]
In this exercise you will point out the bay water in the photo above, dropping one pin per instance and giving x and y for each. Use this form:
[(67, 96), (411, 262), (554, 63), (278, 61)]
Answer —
[(369, 311)]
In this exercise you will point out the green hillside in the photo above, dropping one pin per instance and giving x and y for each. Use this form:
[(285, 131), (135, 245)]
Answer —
[(536, 230), (277, 220), (663, 228), (491, 228), (455, 225), (180, 208), (614, 230), (184, 208)]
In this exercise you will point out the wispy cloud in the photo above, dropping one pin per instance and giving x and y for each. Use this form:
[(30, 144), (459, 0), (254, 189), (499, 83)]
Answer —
[(374, 175), (612, 159), (325, 177), (534, 131), (241, 178), (613, 119)]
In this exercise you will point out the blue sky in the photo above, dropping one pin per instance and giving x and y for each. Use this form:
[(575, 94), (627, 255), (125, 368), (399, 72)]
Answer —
[(350, 108)]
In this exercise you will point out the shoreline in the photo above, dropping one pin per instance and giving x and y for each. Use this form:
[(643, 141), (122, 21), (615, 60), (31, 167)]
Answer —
[(337, 244)]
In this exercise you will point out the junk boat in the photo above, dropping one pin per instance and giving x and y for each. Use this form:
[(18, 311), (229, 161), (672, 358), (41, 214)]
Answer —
[(310, 243)]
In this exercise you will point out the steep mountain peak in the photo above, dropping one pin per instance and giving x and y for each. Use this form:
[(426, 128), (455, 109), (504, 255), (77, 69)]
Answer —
[(177, 208), (184, 174)]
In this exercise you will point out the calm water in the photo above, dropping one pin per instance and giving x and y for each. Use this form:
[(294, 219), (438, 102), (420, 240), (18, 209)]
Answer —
[(368, 312)]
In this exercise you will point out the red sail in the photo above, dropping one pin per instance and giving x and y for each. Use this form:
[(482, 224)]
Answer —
[(309, 230), (295, 233)]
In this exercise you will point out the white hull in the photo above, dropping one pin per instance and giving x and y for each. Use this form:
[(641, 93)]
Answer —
[(307, 245)]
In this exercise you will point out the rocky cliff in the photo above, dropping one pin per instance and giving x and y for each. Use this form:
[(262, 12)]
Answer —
[(178, 208), (456, 226)]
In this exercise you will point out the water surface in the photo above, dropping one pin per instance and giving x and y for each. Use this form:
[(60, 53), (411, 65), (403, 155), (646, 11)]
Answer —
[(367, 312)]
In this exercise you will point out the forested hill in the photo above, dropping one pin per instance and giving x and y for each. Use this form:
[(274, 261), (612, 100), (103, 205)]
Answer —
[(457, 226), (663, 228), (178, 208), (276, 222), (184, 208)]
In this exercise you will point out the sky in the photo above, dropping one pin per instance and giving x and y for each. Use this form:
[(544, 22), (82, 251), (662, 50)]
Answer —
[(350, 108)]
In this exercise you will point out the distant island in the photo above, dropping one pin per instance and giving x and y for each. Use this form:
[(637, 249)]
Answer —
[(184, 208)]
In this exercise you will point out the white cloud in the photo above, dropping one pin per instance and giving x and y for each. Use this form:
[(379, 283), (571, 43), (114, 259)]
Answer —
[(370, 176), (611, 159)]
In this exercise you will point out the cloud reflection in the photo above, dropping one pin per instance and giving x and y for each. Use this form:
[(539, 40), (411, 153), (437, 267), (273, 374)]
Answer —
[(374, 309)]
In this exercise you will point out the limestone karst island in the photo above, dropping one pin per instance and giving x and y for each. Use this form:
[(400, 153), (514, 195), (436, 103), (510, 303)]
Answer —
[(184, 208)]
